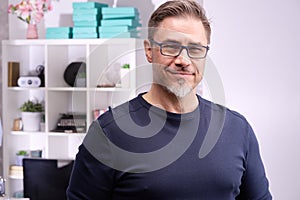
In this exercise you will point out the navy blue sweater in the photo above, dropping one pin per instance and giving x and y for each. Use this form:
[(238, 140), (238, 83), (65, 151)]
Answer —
[(138, 151)]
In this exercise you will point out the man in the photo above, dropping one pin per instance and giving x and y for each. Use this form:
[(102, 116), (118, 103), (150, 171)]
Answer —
[(169, 143)]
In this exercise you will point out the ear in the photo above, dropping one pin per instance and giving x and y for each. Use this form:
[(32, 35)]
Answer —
[(148, 52)]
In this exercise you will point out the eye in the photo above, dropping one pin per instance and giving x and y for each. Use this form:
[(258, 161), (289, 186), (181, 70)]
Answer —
[(196, 50), (171, 48)]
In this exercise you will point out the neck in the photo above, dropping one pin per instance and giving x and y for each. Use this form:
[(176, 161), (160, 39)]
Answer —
[(162, 98)]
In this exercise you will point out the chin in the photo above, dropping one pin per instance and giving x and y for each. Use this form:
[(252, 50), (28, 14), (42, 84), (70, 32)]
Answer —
[(179, 91)]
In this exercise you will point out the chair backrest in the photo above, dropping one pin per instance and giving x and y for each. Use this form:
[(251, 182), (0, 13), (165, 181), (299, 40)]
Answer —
[(46, 178)]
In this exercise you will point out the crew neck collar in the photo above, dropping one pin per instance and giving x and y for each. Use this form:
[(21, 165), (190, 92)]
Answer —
[(159, 111)]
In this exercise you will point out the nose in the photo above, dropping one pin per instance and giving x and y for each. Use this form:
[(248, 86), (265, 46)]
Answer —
[(183, 60)]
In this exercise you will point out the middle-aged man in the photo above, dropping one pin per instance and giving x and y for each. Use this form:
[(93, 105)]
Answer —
[(169, 143)]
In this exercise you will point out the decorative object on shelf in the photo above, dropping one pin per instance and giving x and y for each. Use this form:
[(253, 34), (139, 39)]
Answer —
[(40, 69), (31, 12), (36, 153), (29, 81), (32, 32), (124, 76), (34, 79), (17, 124), (80, 79), (98, 112), (31, 115), (20, 155), (74, 71), (111, 76)]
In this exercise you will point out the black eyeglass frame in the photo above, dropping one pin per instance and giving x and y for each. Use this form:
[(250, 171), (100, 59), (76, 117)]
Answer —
[(181, 48)]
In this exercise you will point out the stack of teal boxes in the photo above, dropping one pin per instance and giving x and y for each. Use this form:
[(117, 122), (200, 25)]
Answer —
[(120, 22), (59, 33), (86, 19)]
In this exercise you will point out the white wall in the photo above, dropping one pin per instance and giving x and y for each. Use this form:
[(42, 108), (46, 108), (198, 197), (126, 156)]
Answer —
[(255, 47)]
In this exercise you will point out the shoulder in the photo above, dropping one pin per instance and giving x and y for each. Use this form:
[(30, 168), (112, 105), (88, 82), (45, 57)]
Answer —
[(123, 110), (231, 118)]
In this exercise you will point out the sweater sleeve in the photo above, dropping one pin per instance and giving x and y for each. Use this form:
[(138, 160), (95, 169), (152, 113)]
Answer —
[(255, 184)]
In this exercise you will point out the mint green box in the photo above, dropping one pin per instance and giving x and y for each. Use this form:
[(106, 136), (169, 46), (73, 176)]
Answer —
[(120, 22), (87, 11), (59, 30), (104, 29), (89, 17), (119, 10), (120, 16), (84, 5), (131, 34), (86, 23), (58, 35), (80, 30), (86, 35)]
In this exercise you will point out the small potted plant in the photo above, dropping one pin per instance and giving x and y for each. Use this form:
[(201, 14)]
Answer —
[(31, 115), (20, 155)]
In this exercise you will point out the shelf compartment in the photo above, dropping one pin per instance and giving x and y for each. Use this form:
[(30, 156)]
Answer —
[(69, 142), (64, 102), (59, 57)]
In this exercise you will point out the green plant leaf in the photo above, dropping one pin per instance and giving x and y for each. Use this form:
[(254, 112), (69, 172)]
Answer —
[(30, 106)]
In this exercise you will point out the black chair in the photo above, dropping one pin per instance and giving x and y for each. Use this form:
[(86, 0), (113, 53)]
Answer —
[(46, 179)]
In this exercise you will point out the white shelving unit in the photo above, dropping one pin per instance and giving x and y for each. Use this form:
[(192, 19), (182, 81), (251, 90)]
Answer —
[(101, 57)]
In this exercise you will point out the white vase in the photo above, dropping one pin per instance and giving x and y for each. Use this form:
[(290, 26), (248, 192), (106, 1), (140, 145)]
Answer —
[(125, 77), (31, 121), (19, 159)]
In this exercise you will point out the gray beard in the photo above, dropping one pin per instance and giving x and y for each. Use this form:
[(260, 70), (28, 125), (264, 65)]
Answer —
[(180, 90)]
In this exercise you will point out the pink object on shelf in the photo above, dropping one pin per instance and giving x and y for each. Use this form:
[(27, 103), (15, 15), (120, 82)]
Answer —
[(32, 32)]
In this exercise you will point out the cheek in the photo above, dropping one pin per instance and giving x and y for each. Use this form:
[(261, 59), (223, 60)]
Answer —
[(161, 63), (200, 67)]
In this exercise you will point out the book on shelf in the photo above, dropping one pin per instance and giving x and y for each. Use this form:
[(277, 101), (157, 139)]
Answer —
[(13, 73)]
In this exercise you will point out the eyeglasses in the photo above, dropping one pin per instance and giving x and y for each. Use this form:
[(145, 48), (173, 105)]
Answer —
[(174, 49)]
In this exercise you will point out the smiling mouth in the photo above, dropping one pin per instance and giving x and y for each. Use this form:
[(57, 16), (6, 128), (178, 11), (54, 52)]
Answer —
[(180, 72)]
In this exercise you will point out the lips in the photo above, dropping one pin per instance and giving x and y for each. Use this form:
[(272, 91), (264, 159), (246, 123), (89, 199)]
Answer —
[(180, 72), (185, 73)]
